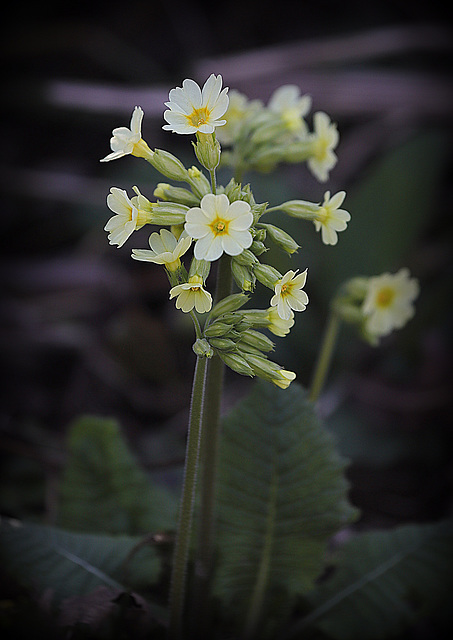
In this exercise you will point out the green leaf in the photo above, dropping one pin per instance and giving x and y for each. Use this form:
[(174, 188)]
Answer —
[(103, 488), (64, 564), (282, 495), (383, 582)]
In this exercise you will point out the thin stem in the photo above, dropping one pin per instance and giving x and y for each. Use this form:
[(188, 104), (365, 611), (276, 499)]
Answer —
[(209, 456), (213, 181), (325, 356), (181, 552)]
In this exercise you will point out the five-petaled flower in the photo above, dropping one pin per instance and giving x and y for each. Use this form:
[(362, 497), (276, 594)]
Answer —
[(330, 218), (291, 106), (289, 295), (389, 302), (191, 294), (129, 141), (165, 249), (192, 110), (127, 219), (219, 227), (324, 139)]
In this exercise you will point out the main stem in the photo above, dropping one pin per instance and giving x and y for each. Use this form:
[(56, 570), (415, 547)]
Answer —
[(209, 456), (181, 552), (325, 356)]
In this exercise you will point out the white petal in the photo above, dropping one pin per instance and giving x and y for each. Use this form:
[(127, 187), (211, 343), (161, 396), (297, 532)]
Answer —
[(231, 246), (208, 248), (136, 120), (196, 230), (193, 92)]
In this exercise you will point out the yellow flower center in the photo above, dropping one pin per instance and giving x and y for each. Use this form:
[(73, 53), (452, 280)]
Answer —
[(320, 149), (385, 297), (219, 227), (199, 117)]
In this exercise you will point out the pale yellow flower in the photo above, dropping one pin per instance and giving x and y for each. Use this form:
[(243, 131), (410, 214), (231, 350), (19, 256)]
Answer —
[(324, 139), (165, 249), (289, 295), (330, 219), (129, 141), (219, 227), (277, 325), (284, 378), (192, 294), (239, 109), (291, 106), (192, 110), (127, 219), (389, 302)]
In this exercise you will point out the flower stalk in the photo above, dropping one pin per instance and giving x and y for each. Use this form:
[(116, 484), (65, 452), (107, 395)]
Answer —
[(325, 356), (181, 552)]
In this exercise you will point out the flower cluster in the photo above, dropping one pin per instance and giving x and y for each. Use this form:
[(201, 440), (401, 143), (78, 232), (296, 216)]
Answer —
[(203, 222), (262, 136)]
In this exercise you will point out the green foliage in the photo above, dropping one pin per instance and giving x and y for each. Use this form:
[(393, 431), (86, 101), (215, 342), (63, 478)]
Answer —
[(64, 564), (383, 582), (282, 495), (103, 488)]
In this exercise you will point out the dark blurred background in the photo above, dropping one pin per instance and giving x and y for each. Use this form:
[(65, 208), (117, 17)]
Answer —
[(84, 329)]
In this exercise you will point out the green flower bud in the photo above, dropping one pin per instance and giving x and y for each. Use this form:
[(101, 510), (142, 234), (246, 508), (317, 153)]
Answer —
[(243, 276), (199, 268), (260, 235), (232, 318), (233, 190), (202, 348), (169, 165), (222, 344), (217, 329), (176, 194), (267, 275), (199, 183), (257, 340), (168, 213), (281, 238), (237, 363), (231, 303), (207, 150), (300, 209), (246, 258), (258, 248)]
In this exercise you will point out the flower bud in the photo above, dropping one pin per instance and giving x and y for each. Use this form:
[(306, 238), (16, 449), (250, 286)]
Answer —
[(267, 275), (199, 184), (246, 258), (199, 268), (207, 150), (237, 363), (230, 303), (243, 276), (168, 213), (258, 248), (222, 344), (176, 194), (300, 209), (169, 165), (297, 151), (281, 238), (217, 329), (202, 348), (233, 191), (257, 340)]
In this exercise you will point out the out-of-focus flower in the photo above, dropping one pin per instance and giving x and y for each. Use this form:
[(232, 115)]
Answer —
[(324, 139), (219, 227), (291, 106), (389, 302), (192, 110)]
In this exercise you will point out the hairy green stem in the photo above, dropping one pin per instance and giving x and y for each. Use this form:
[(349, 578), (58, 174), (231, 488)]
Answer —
[(209, 461), (181, 552), (325, 356)]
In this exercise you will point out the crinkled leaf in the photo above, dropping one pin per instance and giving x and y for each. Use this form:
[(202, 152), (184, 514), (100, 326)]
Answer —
[(103, 488), (383, 582), (282, 495), (64, 564)]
